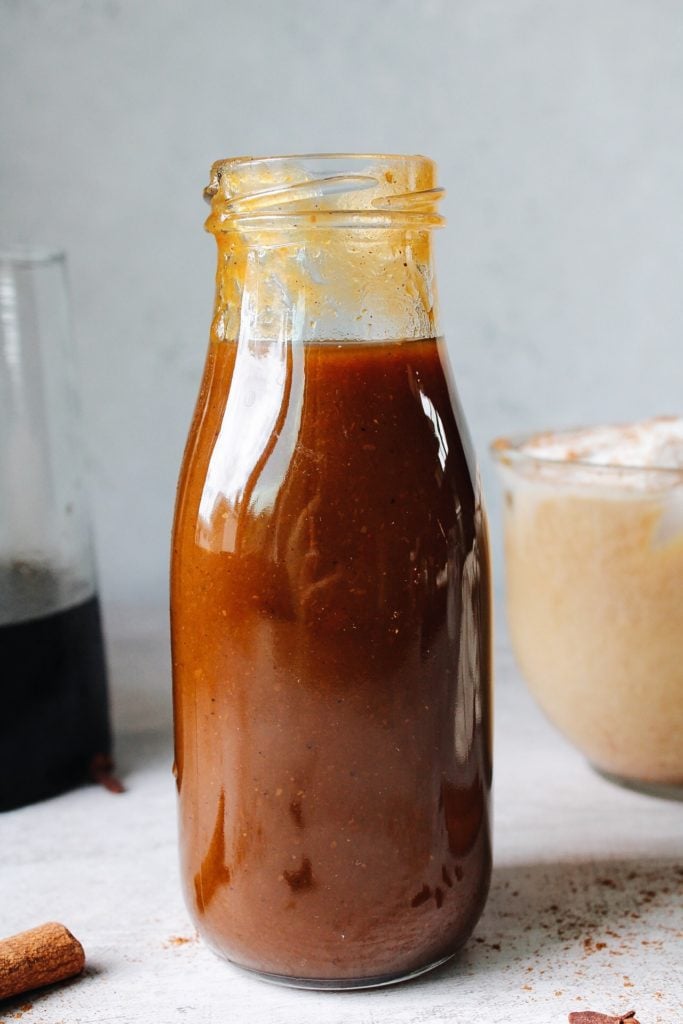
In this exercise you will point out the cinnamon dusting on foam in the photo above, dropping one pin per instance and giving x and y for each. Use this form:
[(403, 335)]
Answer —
[(655, 443), (646, 455)]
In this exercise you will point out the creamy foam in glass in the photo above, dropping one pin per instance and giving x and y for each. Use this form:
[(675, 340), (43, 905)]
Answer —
[(594, 558)]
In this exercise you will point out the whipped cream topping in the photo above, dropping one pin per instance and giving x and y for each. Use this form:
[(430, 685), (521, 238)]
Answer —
[(642, 460), (655, 443)]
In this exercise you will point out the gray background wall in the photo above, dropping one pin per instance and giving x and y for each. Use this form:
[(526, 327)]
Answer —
[(557, 128)]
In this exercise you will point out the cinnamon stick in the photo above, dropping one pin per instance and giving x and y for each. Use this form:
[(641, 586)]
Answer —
[(38, 957), (591, 1017)]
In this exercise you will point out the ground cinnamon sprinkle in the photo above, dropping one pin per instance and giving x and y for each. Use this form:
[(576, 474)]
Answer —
[(100, 772)]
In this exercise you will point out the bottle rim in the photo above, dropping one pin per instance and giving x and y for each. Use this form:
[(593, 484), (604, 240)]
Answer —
[(323, 190)]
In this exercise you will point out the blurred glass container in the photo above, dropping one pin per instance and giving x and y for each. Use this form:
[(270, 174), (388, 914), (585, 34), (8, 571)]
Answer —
[(594, 562), (54, 721)]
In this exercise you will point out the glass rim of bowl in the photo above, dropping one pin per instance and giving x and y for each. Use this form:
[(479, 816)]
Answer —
[(513, 451)]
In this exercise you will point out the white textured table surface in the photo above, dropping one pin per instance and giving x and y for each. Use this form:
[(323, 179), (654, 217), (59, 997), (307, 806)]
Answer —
[(585, 911)]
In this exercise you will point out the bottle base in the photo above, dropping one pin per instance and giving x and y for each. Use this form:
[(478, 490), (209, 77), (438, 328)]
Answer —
[(663, 790), (343, 984)]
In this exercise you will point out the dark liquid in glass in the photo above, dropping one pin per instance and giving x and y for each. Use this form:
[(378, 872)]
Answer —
[(53, 691)]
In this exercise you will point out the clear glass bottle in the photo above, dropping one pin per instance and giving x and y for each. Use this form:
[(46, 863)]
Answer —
[(330, 588), (54, 725)]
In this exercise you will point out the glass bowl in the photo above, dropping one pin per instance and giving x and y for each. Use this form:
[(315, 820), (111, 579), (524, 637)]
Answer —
[(594, 567)]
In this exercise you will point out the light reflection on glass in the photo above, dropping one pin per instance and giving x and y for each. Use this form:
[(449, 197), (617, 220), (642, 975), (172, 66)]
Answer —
[(254, 405), (439, 431)]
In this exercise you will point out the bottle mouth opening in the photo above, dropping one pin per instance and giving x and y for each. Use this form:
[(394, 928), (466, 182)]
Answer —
[(324, 190)]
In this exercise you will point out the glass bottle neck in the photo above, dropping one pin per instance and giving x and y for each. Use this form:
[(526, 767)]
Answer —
[(319, 284), (324, 247)]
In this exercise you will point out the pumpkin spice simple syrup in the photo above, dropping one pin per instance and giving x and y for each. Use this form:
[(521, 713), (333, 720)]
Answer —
[(330, 589)]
